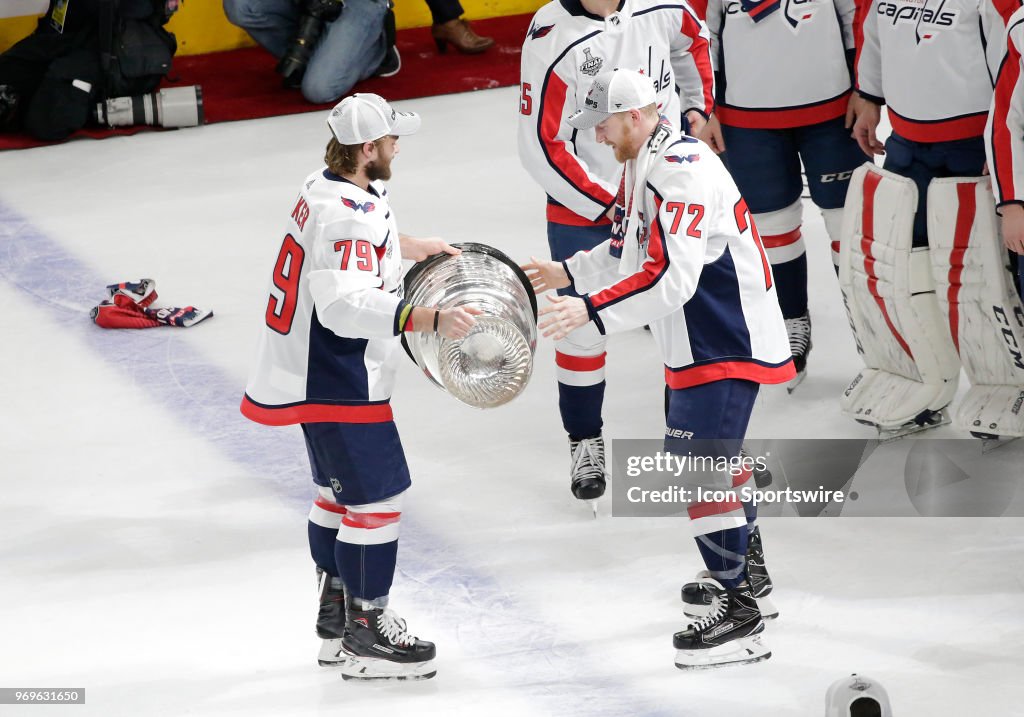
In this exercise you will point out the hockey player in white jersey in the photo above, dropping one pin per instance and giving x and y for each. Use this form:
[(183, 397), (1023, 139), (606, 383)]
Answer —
[(685, 257), (568, 44), (327, 358), (901, 272), (779, 109)]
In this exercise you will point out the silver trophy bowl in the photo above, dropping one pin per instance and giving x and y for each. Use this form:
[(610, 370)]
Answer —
[(493, 364)]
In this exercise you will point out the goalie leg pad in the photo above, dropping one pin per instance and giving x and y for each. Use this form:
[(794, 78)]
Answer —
[(911, 367), (976, 293)]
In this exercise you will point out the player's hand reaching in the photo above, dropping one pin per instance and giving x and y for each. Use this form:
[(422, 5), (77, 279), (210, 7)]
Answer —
[(1013, 227), (456, 323), (565, 314), (419, 248), (711, 135), (697, 123), (545, 275), (868, 116)]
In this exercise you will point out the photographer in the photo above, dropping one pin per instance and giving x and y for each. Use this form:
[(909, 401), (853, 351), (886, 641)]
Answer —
[(324, 46), (82, 52)]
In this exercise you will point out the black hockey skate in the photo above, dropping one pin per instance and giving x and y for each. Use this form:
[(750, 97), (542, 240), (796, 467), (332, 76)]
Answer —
[(330, 620), (799, 330), (728, 635), (699, 597), (377, 646), (587, 469)]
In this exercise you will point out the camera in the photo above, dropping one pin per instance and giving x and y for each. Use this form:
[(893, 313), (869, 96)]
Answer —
[(170, 107), (316, 14)]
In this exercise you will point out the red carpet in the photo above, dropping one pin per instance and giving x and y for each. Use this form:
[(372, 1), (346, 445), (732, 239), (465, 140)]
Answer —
[(242, 84)]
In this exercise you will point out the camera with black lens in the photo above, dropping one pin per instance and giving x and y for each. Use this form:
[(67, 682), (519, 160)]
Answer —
[(315, 14)]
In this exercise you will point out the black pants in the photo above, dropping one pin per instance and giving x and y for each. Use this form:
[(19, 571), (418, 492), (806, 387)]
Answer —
[(56, 78), (444, 10)]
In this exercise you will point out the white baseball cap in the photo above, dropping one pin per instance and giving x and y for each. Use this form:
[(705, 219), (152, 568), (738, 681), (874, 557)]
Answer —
[(364, 117), (857, 696), (611, 92)]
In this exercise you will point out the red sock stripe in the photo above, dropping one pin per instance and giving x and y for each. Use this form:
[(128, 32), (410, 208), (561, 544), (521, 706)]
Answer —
[(961, 239), (835, 247), (703, 510), (774, 241), (579, 363), (329, 506), (370, 520), (871, 181)]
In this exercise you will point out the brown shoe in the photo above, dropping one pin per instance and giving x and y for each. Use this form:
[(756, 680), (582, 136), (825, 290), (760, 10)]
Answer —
[(459, 33)]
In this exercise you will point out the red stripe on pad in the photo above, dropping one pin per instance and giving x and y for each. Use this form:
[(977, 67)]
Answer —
[(579, 363), (965, 214), (871, 182), (370, 521)]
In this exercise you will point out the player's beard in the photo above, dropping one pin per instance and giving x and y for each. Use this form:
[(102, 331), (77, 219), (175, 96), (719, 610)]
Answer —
[(378, 169)]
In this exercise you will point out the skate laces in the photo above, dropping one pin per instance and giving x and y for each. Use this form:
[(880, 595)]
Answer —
[(393, 628), (719, 605), (799, 330), (588, 458)]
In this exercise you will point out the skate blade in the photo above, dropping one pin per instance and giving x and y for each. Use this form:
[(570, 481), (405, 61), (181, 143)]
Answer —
[(372, 668), (886, 435), (791, 386), (744, 651), (331, 654), (767, 607)]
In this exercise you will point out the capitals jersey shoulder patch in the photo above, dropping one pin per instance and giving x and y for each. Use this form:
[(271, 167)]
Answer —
[(355, 206), (536, 32)]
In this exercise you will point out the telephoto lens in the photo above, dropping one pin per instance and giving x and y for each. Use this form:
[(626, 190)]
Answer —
[(170, 107), (317, 13)]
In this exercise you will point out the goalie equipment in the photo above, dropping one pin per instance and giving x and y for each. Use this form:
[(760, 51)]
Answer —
[(911, 366), (976, 293)]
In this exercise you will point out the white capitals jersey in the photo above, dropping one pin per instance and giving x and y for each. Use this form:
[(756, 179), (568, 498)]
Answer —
[(1004, 134), (933, 62), (789, 69), (565, 48), (704, 286), (330, 346)]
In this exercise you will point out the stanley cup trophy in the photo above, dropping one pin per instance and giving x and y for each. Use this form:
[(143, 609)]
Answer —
[(493, 364)]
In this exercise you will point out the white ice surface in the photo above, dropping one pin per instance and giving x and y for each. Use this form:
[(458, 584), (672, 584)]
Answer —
[(152, 541)]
